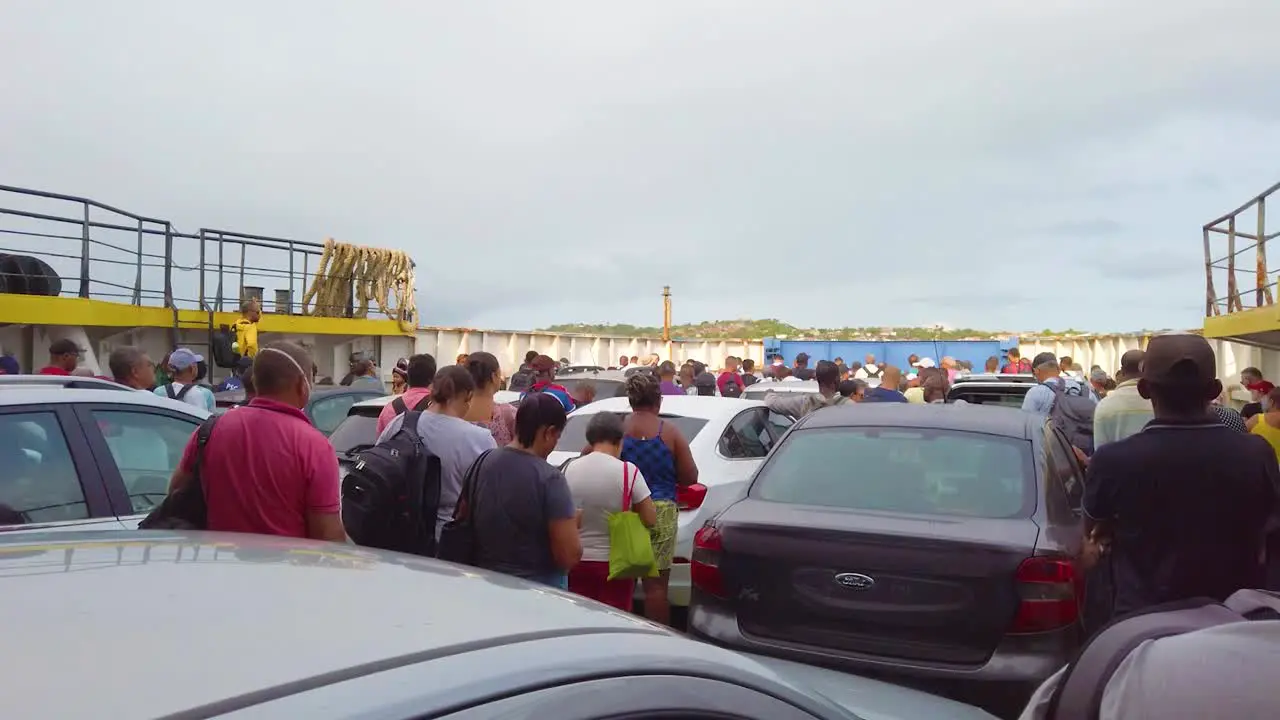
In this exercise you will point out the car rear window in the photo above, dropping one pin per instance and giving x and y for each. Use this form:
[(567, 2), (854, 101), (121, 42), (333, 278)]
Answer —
[(360, 428), (574, 437), (975, 394), (913, 470)]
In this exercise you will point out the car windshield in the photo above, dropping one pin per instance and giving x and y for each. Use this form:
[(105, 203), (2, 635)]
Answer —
[(757, 393), (604, 388), (913, 470), (574, 437), (356, 431)]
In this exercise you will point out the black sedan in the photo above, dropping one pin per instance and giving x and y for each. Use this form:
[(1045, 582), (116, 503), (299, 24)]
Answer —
[(327, 408), (926, 541)]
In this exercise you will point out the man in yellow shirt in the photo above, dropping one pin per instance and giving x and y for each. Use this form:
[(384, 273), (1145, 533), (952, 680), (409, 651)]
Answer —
[(247, 328)]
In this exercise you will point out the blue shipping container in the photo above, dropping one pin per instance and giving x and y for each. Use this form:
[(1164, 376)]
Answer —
[(893, 352)]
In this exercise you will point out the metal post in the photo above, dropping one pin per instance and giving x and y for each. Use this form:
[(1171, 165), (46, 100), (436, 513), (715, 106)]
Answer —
[(84, 255), (137, 280), (220, 259), (168, 265), (201, 241), (290, 310), (240, 298), (666, 313), (1264, 296)]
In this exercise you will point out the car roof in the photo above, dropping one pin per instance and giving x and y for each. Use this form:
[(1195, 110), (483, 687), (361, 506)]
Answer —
[(1007, 421), (375, 402), (60, 395), (809, 386), (257, 611), (1006, 378), (61, 381), (707, 407), (316, 391)]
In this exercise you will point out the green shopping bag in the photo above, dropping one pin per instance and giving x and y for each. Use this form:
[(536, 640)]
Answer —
[(630, 549)]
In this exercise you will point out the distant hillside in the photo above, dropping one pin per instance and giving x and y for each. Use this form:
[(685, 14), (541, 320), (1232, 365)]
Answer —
[(733, 329)]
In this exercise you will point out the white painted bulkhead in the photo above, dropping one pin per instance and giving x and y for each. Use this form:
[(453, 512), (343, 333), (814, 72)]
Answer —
[(28, 344)]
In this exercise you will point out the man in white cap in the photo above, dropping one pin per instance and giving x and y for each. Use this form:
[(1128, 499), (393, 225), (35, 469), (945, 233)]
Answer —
[(184, 368)]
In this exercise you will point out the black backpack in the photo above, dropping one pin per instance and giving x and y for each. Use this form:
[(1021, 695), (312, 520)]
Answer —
[(1078, 689), (168, 390), (732, 387), (521, 381), (1072, 413), (749, 379), (223, 354), (391, 495)]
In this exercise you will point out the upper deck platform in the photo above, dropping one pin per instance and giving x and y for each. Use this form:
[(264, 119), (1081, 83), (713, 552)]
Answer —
[(1235, 259), (67, 260)]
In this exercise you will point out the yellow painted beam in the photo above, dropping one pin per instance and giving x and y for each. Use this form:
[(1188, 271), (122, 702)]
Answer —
[(82, 312), (1243, 323)]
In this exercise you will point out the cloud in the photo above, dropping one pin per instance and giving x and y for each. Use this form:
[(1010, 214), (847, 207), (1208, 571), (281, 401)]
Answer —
[(829, 164)]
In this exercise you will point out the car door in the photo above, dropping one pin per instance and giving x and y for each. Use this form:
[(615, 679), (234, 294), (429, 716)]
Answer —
[(49, 479), (137, 448), (643, 697)]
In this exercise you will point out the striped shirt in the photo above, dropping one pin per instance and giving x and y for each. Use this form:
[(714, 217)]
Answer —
[(1123, 412)]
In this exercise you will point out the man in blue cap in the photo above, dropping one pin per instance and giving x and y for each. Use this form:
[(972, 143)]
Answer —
[(184, 368)]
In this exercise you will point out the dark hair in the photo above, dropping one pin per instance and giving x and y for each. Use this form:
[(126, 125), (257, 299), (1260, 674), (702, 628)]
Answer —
[(605, 427), (667, 368), (529, 356), (274, 367), (451, 383), (993, 364), (643, 392), (802, 360), (483, 366), (748, 364), (699, 367), (848, 388), (420, 371), (827, 374), (536, 411), (1065, 362)]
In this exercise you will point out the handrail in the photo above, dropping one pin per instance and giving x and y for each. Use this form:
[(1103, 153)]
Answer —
[(1263, 294), (182, 252)]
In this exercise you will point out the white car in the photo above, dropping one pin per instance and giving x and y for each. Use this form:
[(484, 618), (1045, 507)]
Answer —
[(77, 456), (757, 391), (729, 438)]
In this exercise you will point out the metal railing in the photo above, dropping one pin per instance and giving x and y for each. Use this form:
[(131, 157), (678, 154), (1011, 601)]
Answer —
[(126, 257), (1256, 290)]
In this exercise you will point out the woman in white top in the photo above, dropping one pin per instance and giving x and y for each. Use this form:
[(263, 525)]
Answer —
[(599, 482)]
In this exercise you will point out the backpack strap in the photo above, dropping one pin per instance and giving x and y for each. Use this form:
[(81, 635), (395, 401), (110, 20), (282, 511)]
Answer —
[(183, 392), (399, 406), (168, 390), (1079, 693), (423, 403), (1264, 604), (202, 439)]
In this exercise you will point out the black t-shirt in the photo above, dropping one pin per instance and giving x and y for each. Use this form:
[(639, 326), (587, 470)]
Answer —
[(803, 373), (1250, 409), (1189, 503), (516, 496)]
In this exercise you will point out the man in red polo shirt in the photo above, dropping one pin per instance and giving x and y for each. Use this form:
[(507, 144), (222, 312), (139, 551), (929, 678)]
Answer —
[(64, 356), (266, 469)]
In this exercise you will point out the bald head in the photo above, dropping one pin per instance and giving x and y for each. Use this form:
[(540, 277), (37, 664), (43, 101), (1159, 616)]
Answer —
[(891, 377), (278, 373), (1131, 365)]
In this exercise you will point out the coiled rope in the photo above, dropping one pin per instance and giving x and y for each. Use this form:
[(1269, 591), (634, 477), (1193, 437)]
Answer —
[(373, 274)]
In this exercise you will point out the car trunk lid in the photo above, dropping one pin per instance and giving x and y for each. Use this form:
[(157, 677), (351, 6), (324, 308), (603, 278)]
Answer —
[(919, 587)]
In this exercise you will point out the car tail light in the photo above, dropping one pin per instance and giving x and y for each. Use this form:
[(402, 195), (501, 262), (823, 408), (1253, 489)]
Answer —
[(1049, 593), (690, 497), (704, 566)]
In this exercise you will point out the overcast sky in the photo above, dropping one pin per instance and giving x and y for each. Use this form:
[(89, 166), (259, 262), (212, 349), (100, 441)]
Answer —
[(990, 163)]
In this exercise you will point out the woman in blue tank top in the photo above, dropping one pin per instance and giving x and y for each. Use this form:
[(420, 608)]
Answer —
[(662, 455)]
